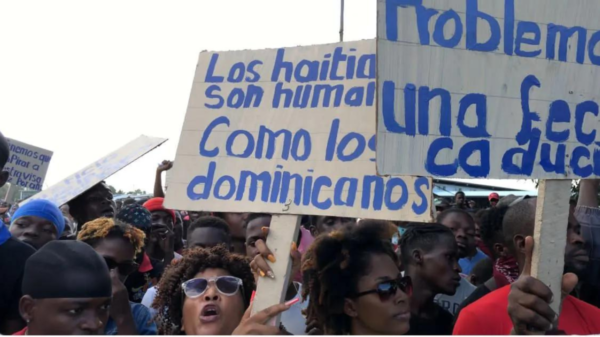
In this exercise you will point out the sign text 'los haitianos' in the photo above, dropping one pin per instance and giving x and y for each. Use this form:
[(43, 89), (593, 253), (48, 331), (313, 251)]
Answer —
[(489, 89)]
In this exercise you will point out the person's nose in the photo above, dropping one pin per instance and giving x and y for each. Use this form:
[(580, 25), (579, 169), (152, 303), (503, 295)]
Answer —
[(400, 297), (91, 323), (211, 294), (456, 266), (577, 239), (31, 232), (460, 233)]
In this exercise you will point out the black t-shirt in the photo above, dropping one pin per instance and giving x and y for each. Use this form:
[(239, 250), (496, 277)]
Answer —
[(441, 325), (13, 254), (138, 283), (478, 293)]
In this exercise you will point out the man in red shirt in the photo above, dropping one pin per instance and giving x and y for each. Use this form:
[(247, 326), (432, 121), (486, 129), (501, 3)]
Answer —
[(523, 307)]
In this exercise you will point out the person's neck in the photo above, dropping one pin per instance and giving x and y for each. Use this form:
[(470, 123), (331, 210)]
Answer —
[(155, 253), (291, 292), (471, 254), (359, 329), (421, 300)]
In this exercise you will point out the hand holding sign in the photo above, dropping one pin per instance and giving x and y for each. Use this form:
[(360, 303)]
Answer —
[(529, 299), (259, 264), (257, 324)]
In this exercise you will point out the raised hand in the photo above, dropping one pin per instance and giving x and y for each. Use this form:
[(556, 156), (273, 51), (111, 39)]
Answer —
[(529, 299)]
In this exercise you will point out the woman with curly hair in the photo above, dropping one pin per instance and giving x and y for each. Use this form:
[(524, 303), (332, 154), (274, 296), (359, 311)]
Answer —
[(208, 292), (354, 284), (118, 243)]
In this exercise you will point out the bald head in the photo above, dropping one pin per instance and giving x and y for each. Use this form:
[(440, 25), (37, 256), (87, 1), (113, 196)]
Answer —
[(519, 220)]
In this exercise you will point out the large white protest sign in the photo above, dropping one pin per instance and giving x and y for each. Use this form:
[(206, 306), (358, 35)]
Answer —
[(489, 89), (27, 164), (288, 131), (98, 171)]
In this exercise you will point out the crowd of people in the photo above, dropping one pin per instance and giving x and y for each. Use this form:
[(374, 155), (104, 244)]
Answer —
[(93, 266)]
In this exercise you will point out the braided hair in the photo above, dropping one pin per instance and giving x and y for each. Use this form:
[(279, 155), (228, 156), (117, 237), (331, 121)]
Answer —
[(169, 298), (103, 228), (332, 267)]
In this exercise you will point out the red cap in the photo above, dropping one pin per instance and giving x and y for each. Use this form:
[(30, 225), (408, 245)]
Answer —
[(156, 204), (494, 196)]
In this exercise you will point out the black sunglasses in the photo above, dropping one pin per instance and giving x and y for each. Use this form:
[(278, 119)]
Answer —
[(387, 289), (124, 268)]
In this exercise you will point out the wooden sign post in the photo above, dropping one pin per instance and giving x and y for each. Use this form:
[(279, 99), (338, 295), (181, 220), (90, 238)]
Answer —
[(550, 235), (288, 132), (493, 90), (283, 231)]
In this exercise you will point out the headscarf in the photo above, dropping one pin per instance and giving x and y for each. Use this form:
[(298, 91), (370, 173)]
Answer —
[(137, 216), (44, 209), (506, 271), (66, 269)]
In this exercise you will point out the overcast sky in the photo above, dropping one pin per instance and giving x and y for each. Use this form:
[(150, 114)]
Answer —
[(82, 78)]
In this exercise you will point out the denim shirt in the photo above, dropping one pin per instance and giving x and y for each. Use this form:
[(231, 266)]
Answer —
[(142, 318)]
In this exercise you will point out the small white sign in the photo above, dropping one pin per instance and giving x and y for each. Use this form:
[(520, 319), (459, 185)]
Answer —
[(27, 164)]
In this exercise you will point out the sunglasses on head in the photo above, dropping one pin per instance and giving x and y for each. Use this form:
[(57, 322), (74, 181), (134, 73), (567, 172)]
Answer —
[(388, 289), (124, 268), (226, 285)]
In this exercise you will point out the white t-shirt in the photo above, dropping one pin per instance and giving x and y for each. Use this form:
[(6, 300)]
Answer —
[(148, 299), (451, 303)]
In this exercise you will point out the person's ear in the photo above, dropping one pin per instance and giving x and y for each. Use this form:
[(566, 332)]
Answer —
[(472, 279), (313, 230), (350, 308), (3, 177), (519, 243), (499, 249), (27, 308), (417, 255)]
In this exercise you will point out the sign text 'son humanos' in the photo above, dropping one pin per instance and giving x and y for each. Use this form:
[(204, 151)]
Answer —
[(489, 89)]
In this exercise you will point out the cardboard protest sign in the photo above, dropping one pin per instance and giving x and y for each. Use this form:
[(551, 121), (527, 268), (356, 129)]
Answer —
[(288, 131), (488, 89), (493, 89), (98, 171), (27, 164)]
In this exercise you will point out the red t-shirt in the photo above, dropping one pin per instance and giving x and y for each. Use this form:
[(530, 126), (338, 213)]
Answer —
[(489, 316), (20, 333)]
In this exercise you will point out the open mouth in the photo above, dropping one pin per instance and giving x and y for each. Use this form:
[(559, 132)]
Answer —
[(108, 213), (210, 313)]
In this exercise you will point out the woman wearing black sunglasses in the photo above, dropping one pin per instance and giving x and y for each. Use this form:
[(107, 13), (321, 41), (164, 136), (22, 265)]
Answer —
[(354, 284), (118, 243), (208, 292)]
